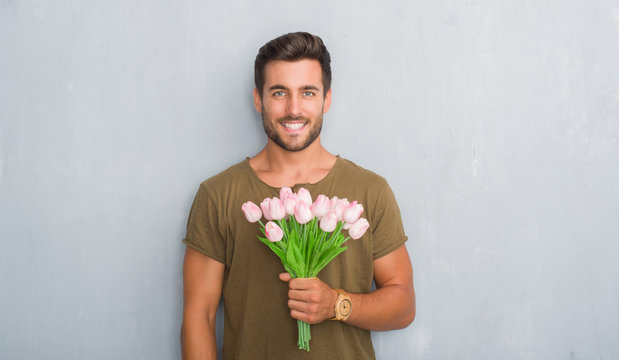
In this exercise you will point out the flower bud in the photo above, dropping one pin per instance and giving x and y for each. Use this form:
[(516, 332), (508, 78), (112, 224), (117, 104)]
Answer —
[(339, 206), (302, 213), (352, 212), (329, 221), (320, 207), (332, 202), (252, 211), (358, 228), (304, 196), (283, 193), (264, 205), (276, 209), (289, 203), (273, 232)]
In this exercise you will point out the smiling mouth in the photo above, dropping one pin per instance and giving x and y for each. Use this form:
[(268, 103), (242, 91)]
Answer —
[(293, 125)]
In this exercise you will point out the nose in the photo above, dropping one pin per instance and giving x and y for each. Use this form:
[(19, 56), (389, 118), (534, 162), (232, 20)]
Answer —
[(294, 108)]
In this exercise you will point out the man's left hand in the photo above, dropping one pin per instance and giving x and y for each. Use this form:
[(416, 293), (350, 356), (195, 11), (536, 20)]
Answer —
[(310, 299)]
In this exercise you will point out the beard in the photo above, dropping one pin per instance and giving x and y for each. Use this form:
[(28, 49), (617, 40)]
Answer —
[(270, 130)]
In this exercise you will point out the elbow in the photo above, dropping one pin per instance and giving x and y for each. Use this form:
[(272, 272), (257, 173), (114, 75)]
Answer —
[(412, 308), (406, 319), (409, 315)]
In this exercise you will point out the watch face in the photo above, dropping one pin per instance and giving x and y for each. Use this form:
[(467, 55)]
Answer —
[(345, 307)]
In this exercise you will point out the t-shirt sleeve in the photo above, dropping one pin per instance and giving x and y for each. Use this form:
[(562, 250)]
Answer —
[(387, 230), (204, 230)]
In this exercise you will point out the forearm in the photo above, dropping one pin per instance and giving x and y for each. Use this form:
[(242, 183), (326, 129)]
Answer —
[(391, 306), (388, 308), (198, 339), (202, 278)]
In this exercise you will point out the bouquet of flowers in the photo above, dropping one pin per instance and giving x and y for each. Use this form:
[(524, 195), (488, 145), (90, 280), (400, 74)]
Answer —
[(306, 235)]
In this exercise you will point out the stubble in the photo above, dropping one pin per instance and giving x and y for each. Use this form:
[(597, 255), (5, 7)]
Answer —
[(271, 132)]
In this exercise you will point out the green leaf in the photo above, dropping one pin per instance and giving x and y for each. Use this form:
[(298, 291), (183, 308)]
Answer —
[(290, 257), (279, 252), (326, 259), (289, 270), (309, 255), (300, 261)]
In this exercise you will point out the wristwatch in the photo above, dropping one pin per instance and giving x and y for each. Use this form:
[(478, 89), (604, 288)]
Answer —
[(343, 305)]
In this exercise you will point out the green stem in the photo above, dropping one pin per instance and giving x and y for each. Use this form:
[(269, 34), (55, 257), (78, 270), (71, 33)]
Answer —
[(304, 335)]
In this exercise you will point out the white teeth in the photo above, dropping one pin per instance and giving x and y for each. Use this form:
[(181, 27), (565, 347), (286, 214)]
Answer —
[(294, 126)]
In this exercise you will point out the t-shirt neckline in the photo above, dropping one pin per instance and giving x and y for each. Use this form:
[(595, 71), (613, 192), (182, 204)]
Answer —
[(329, 175)]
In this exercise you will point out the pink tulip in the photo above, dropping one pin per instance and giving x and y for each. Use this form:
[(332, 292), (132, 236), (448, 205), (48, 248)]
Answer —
[(252, 211), (329, 221), (276, 209), (283, 193), (302, 213), (273, 232), (320, 207), (358, 228), (352, 212), (304, 196), (264, 205), (289, 203), (339, 205)]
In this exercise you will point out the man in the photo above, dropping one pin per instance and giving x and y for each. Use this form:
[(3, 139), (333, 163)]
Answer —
[(224, 257)]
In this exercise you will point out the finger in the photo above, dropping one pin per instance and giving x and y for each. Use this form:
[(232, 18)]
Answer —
[(308, 318), (285, 277), (304, 307), (304, 283), (298, 315), (301, 295)]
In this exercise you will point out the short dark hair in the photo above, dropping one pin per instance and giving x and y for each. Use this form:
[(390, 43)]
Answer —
[(293, 47)]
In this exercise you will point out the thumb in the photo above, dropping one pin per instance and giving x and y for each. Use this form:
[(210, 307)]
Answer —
[(285, 277)]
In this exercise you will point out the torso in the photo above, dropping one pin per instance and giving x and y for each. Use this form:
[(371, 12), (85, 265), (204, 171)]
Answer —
[(254, 297)]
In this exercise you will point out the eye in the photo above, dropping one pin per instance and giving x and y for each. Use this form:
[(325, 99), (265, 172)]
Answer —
[(279, 93), (308, 93)]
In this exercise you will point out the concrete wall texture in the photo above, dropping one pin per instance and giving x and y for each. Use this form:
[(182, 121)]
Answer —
[(496, 123)]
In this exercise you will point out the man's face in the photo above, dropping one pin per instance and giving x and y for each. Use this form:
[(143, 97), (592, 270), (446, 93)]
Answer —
[(292, 103)]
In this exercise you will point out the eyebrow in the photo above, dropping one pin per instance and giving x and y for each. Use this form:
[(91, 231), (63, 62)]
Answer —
[(282, 87), (310, 87)]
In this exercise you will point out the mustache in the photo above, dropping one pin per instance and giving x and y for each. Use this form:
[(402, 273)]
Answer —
[(292, 118)]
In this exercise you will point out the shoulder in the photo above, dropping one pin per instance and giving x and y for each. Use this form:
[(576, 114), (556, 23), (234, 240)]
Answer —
[(232, 177), (355, 182), (357, 173), (229, 187)]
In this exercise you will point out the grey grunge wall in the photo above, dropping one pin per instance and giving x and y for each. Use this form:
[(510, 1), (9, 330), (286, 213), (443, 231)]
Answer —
[(495, 122)]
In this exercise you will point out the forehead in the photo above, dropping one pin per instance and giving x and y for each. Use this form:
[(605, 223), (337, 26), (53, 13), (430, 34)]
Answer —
[(293, 74)]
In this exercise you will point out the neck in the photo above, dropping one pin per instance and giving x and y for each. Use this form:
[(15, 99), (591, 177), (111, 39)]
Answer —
[(279, 159), (278, 167)]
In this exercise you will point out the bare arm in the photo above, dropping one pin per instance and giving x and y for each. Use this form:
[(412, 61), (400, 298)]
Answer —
[(390, 306), (202, 285)]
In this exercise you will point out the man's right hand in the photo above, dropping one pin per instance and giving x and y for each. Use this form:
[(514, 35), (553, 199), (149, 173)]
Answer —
[(310, 299), (202, 286)]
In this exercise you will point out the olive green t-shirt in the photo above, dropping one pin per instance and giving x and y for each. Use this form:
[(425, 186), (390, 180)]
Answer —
[(257, 322)]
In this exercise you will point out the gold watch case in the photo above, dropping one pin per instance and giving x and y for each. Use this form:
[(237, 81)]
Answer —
[(343, 305)]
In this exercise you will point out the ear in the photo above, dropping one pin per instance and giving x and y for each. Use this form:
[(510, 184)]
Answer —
[(327, 103), (257, 101)]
